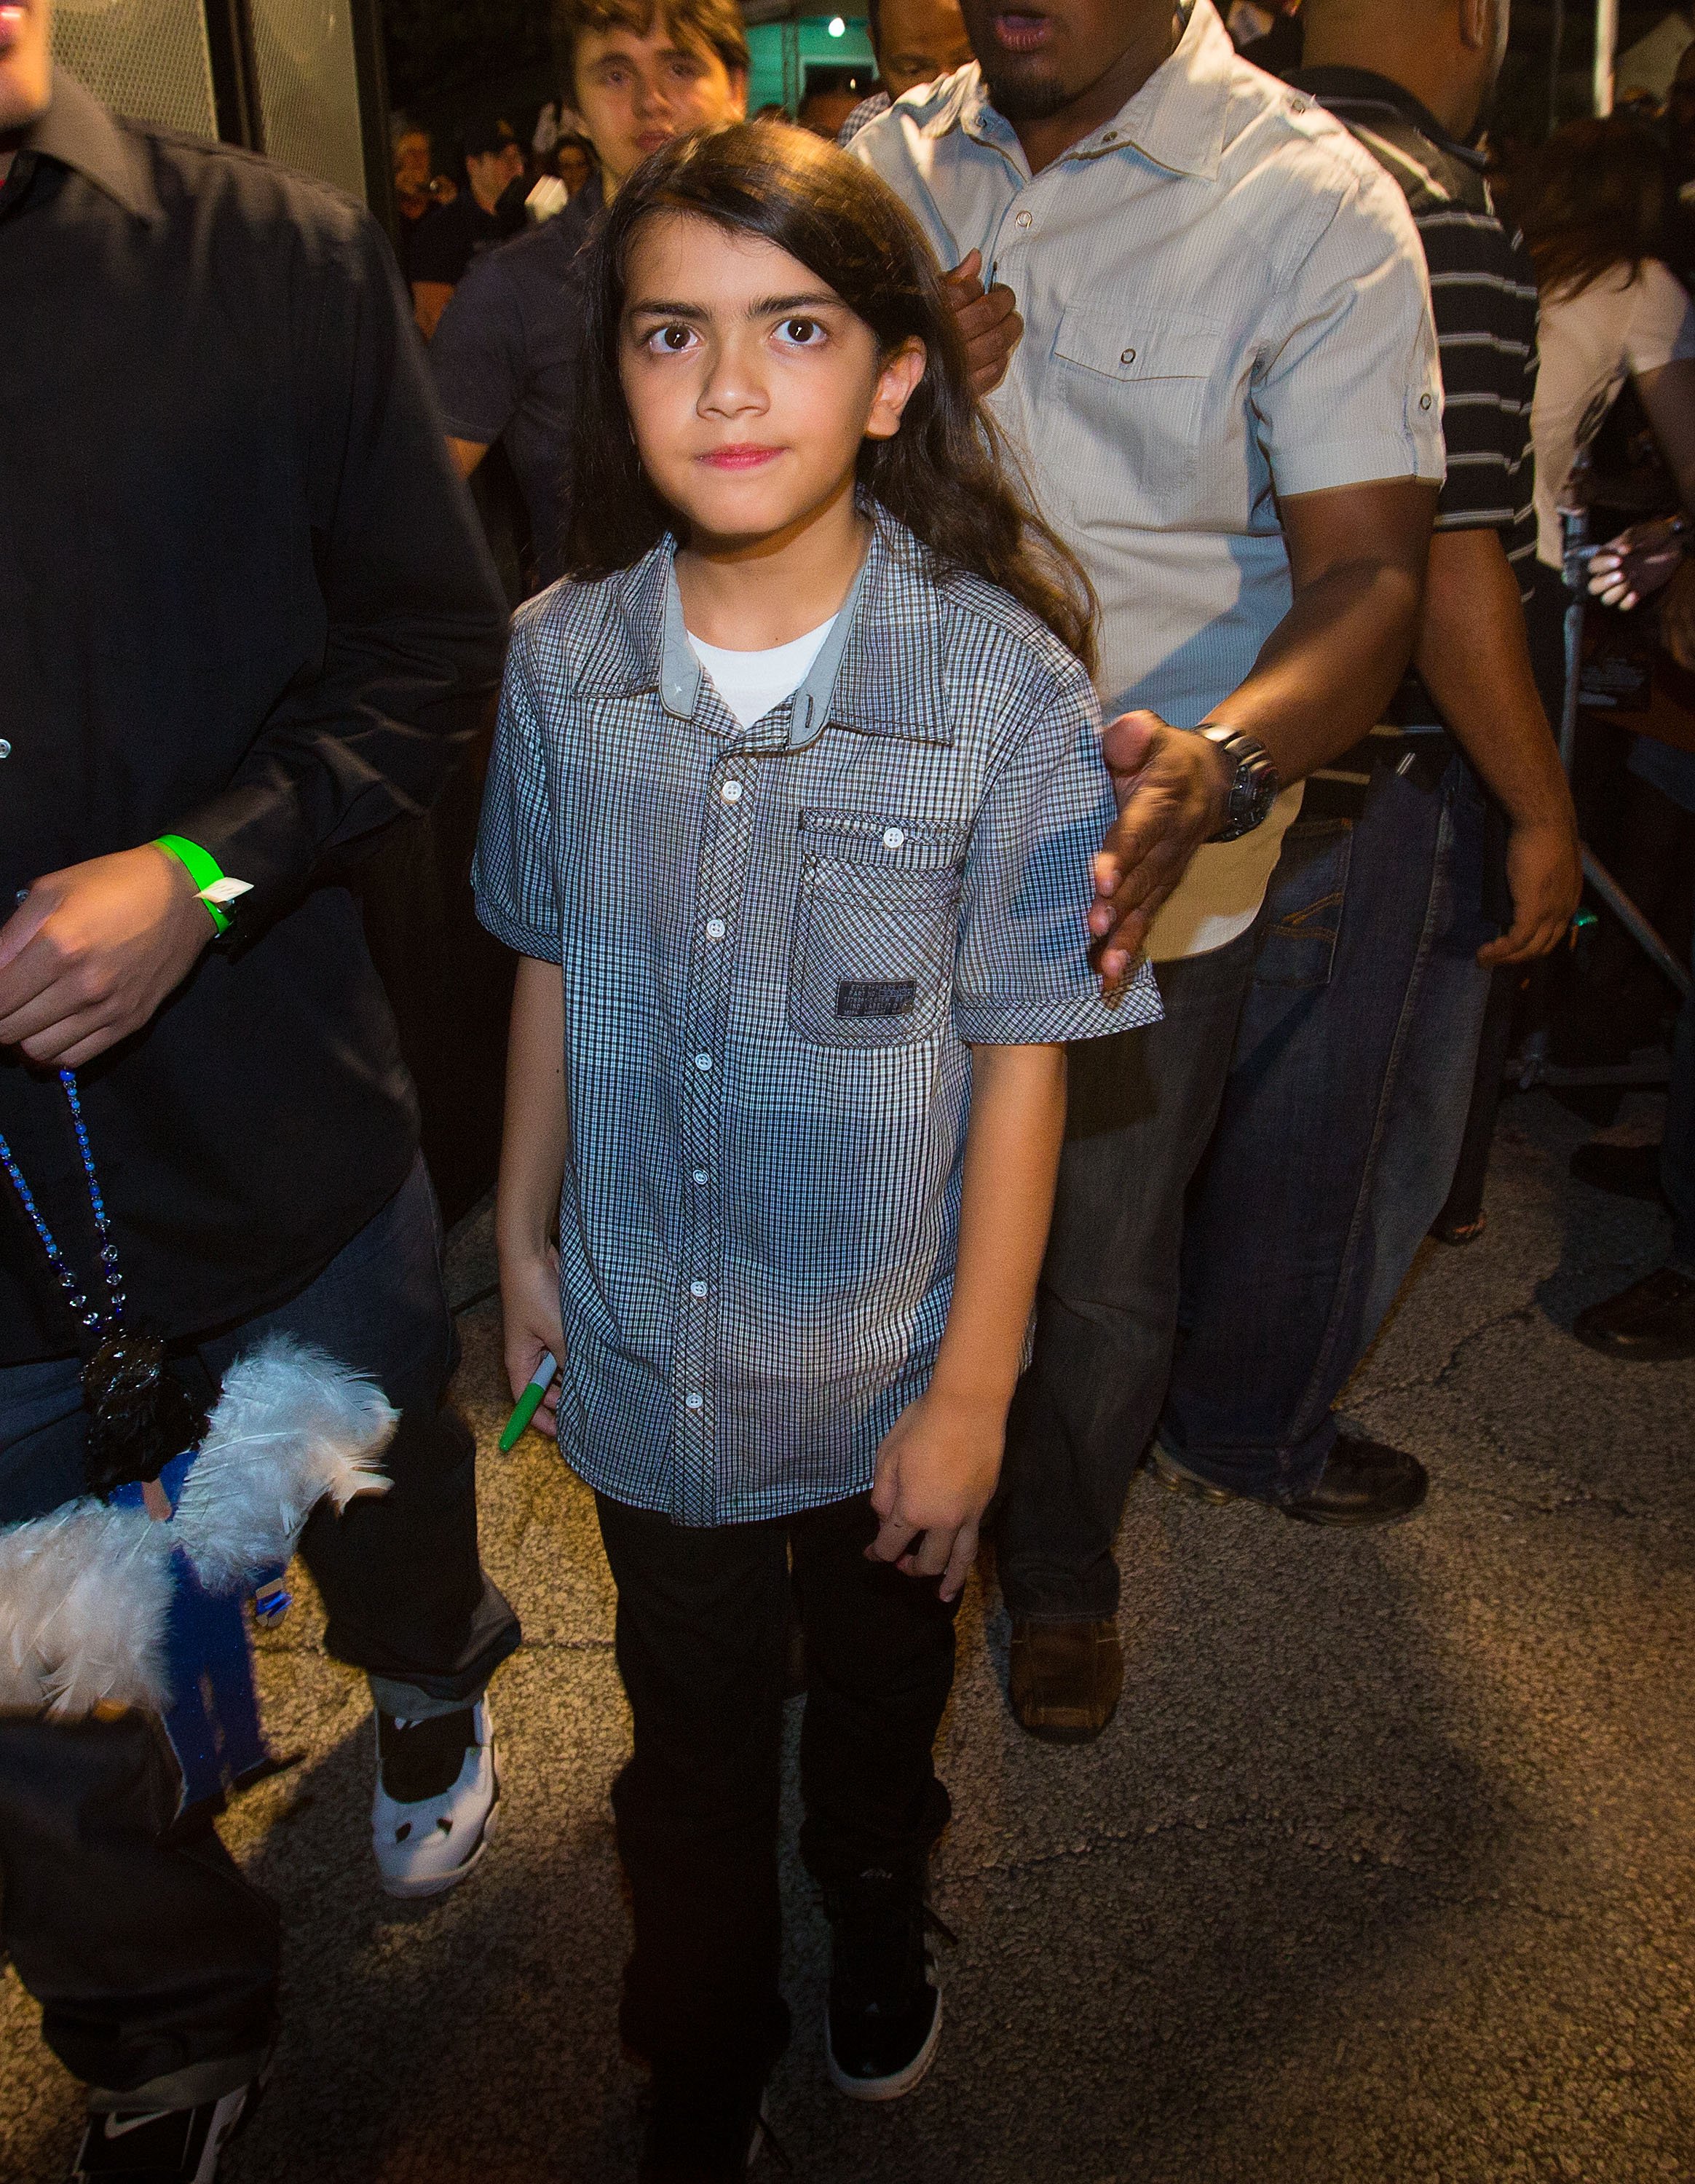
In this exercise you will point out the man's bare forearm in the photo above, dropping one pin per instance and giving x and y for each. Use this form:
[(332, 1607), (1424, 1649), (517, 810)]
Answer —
[(1357, 566), (1323, 676), (1475, 659)]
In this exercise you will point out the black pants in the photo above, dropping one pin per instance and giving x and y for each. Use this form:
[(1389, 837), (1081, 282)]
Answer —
[(700, 1643), (153, 1961)]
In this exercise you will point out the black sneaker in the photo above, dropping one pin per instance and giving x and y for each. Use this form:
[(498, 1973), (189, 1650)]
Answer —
[(703, 2127), (885, 2010), (162, 2146)]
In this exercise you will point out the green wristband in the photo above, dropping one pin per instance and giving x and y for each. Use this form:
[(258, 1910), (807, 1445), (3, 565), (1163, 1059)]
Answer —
[(201, 868)]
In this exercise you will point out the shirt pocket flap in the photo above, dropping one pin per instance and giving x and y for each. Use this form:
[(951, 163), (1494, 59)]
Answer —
[(887, 839), (1122, 342)]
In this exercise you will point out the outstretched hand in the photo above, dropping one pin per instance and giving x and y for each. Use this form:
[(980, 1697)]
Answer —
[(93, 951), (1171, 786)]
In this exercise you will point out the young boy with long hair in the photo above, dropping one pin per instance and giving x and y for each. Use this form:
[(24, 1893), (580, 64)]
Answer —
[(790, 818)]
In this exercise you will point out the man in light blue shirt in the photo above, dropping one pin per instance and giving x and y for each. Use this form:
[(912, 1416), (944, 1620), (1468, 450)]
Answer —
[(1227, 399)]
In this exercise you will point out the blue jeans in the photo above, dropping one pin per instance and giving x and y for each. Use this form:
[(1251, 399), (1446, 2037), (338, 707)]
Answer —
[(1340, 1127), (1139, 1112), (154, 1959)]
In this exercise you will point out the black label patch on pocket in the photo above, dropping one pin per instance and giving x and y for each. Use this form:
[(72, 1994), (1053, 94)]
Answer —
[(876, 997)]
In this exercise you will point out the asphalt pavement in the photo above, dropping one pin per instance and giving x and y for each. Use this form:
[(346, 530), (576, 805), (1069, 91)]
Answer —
[(1383, 1871)]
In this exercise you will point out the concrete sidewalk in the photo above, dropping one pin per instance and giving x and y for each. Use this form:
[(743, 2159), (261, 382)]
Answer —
[(1385, 1870)]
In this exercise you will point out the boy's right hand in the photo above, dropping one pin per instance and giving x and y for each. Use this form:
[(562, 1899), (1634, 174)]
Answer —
[(531, 1325)]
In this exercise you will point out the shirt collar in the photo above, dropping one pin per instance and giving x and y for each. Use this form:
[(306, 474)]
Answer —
[(1351, 85), (880, 671), (1176, 120), (77, 130)]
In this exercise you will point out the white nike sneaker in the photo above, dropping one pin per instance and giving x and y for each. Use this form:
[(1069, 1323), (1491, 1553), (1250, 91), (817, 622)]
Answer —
[(432, 1811)]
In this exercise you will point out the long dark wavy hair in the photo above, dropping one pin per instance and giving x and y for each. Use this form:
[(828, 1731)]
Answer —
[(1593, 196), (945, 474)]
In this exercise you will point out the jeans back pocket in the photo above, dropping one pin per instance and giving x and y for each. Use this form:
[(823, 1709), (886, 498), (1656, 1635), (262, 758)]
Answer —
[(1303, 904)]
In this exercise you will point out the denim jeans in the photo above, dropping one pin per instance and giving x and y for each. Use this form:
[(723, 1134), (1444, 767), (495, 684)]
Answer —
[(701, 1628), (153, 1961), (1140, 1110), (1340, 1125)]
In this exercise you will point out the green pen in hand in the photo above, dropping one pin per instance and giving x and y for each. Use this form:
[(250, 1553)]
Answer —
[(530, 1402)]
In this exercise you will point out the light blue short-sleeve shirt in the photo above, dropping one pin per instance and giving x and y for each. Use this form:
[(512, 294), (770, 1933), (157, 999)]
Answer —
[(1224, 301), (778, 945)]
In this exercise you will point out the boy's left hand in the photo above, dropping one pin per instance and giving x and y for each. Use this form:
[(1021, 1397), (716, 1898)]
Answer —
[(936, 1473)]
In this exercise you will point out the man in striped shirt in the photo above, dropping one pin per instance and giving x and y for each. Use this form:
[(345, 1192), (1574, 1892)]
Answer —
[(1355, 1055)]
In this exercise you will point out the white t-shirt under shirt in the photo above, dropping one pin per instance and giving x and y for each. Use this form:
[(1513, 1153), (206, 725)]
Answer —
[(1619, 328), (752, 683)]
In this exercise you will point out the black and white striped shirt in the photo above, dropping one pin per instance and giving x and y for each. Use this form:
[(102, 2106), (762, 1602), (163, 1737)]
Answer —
[(1484, 292)]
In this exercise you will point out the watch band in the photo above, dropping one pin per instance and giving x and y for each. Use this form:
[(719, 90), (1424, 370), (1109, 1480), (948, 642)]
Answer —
[(1254, 784)]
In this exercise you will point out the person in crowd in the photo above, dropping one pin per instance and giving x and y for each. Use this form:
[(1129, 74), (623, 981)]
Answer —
[(916, 41), (574, 162), (641, 72), (487, 213), (419, 192), (829, 103), (1267, 33), (1593, 202), (1351, 1079), (1679, 136), (1227, 399), (814, 684), (294, 635)]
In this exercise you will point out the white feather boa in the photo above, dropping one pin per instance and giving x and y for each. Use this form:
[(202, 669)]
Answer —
[(85, 1592)]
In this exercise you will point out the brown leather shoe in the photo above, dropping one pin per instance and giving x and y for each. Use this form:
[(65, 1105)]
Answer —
[(1653, 1318), (1066, 1679)]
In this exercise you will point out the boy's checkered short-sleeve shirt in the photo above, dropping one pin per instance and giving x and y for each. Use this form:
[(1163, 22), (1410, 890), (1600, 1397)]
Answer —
[(776, 945)]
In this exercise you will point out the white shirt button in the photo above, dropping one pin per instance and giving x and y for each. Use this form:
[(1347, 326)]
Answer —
[(703, 1062), (1111, 136), (1024, 219), (701, 1176), (1424, 401), (1127, 356), (714, 928), (731, 791), (697, 1289), (894, 837), (693, 1399), (1299, 105)]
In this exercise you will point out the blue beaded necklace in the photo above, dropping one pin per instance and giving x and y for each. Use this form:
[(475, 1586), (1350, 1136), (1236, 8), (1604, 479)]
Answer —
[(101, 1322), (141, 1415)]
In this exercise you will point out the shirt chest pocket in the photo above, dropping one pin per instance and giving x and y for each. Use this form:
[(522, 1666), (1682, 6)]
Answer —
[(871, 958), (1124, 433)]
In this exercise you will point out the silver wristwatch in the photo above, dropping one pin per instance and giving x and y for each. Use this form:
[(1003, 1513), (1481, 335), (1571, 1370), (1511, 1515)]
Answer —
[(1254, 785)]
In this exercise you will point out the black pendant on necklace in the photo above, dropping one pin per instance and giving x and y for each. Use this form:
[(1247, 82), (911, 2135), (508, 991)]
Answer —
[(142, 1414)]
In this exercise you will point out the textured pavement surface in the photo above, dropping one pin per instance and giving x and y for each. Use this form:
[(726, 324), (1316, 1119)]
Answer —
[(1385, 1870)]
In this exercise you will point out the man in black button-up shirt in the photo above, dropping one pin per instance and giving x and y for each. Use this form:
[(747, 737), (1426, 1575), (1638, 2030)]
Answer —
[(244, 604)]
